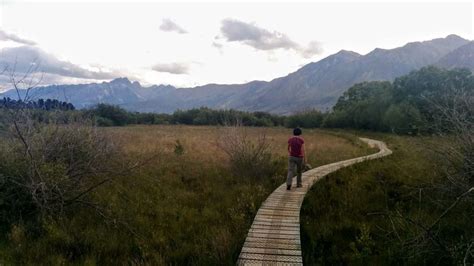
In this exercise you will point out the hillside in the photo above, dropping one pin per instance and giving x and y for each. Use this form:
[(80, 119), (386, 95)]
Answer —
[(461, 57), (315, 85)]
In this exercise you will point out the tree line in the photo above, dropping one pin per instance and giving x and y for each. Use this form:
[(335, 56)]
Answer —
[(109, 115), (48, 104)]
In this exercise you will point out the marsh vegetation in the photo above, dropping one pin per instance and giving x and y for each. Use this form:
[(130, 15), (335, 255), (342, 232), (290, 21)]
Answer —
[(186, 202)]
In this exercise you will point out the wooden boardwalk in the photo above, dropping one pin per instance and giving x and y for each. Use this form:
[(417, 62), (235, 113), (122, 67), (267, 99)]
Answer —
[(274, 237)]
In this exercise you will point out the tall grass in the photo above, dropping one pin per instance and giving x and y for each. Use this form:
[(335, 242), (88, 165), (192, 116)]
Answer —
[(377, 212), (185, 205)]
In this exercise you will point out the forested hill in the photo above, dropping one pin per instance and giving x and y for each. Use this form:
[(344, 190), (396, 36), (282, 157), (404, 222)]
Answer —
[(316, 85)]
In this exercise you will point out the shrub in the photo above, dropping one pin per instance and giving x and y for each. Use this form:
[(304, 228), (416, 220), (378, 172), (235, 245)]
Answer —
[(55, 166), (118, 116), (104, 122), (307, 119), (248, 157), (403, 119)]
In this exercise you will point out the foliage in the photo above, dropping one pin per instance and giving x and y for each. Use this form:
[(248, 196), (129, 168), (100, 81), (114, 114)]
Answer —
[(42, 104), (406, 106), (178, 148), (206, 116), (248, 158), (48, 171), (110, 115), (50, 168), (305, 119)]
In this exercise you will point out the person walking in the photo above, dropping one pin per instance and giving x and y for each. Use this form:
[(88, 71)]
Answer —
[(296, 158)]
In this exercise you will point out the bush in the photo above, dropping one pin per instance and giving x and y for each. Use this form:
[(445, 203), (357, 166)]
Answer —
[(403, 119), (110, 113), (248, 157), (54, 166), (307, 119), (48, 173), (104, 122)]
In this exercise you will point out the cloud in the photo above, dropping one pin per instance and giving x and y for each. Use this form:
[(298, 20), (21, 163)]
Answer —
[(169, 25), (23, 59), (172, 68), (12, 37), (217, 45), (313, 48), (262, 39), (252, 35)]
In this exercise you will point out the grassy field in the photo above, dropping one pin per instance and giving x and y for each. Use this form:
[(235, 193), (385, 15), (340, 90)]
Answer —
[(184, 205), (322, 146), (376, 212)]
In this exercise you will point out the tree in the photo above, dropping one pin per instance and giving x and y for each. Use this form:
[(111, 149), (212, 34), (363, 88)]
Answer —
[(403, 118), (363, 105), (115, 114)]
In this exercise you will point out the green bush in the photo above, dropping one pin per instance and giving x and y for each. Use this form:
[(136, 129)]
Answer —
[(404, 118), (307, 119), (104, 122)]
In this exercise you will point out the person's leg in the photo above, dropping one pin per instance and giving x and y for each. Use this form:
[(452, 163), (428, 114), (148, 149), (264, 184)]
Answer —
[(299, 172), (291, 166)]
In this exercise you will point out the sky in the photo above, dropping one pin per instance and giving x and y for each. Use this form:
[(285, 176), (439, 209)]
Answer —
[(195, 43)]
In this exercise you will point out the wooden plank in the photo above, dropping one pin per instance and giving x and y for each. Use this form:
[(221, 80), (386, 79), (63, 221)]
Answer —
[(274, 231), (280, 241), (279, 213), (272, 245), (271, 258), (272, 251), (272, 236), (283, 219), (279, 207), (265, 263), (276, 225)]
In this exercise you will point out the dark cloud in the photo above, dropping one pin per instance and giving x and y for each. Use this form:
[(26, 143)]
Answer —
[(173, 68), (26, 58), (263, 39), (169, 25), (12, 37)]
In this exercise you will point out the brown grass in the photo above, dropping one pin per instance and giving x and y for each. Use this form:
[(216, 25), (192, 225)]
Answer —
[(180, 208), (201, 142)]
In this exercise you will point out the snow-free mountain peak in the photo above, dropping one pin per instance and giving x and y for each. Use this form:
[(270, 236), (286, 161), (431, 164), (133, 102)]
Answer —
[(315, 85)]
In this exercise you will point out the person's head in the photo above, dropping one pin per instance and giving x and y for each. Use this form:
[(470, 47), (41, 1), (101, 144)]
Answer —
[(297, 131)]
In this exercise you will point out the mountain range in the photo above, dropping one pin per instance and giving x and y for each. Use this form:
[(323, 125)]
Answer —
[(316, 85)]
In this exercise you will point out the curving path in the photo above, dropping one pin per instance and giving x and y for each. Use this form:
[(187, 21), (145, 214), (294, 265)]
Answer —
[(274, 238)]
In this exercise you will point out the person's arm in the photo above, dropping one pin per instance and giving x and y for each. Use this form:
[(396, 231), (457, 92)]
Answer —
[(304, 153), (289, 148)]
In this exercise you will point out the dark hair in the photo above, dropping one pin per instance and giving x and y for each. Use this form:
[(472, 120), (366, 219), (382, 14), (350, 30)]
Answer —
[(297, 131)]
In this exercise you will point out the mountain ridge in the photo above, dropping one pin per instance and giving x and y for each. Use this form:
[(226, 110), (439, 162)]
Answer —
[(314, 85)]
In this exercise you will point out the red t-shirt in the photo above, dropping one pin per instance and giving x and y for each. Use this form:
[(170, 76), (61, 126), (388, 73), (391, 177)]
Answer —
[(296, 144)]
